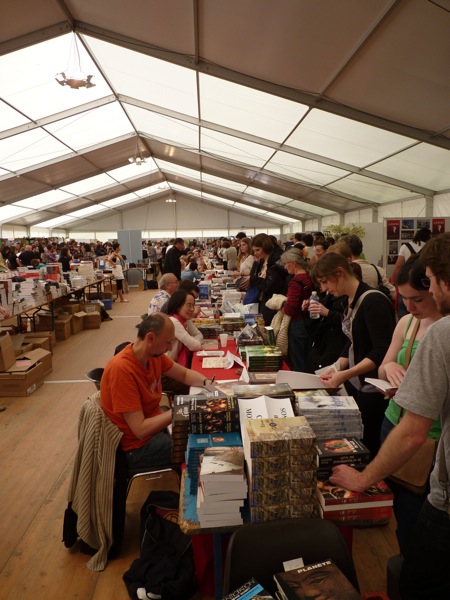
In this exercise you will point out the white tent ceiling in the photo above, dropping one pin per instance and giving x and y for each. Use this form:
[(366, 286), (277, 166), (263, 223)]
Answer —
[(293, 109)]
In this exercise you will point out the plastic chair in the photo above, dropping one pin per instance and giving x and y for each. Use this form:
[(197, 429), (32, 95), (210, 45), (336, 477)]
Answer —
[(95, 375), (150, 474), (260, 550)]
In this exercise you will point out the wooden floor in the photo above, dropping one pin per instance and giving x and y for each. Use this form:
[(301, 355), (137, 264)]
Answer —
[(38, 438)]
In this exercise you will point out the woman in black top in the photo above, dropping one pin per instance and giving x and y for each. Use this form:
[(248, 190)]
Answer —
[(267, 275), (368, 323)]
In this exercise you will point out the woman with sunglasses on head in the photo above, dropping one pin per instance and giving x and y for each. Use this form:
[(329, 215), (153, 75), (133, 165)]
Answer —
[(413, 285), (368, 322)]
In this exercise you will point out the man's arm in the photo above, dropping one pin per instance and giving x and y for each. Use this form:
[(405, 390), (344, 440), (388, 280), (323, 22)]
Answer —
[(186, 376), (143, 427), (399, 446)]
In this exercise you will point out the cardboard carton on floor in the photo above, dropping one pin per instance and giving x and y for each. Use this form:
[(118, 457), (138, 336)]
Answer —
[(62, 327), (7, 354), (50, 335), (76, 323), (38, 355), (22, 380), (92, 320)]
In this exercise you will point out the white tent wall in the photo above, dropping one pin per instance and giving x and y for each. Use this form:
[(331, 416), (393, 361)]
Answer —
[(164, 216), (441, 205)]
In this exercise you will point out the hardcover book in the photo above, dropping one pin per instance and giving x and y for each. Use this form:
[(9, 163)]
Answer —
[(333, 497), (319, 580), (339, 451)]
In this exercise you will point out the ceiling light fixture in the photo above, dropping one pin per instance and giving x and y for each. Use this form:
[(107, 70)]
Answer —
[(138, 158), (171, 200), (74, 76)]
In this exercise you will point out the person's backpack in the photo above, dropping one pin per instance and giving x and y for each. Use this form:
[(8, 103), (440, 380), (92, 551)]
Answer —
[(380, 285), (410, 248), (165, 569)]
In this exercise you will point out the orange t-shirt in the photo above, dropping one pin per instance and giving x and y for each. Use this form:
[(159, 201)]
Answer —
[(126, 386)]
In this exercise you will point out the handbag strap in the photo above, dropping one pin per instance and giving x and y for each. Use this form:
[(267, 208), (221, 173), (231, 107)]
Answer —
[(411, 341), (443, 475)]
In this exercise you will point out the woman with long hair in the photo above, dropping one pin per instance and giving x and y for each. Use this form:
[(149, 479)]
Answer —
[(414, 288), (266, 275), (368, 322), (299, 289), (115, 259), (245, 262)]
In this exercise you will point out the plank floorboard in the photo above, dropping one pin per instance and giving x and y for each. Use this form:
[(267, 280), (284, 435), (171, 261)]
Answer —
[(38, 439)]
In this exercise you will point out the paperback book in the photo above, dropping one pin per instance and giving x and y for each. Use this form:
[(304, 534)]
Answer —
[(250, 589), (222, 464), (264, 407)]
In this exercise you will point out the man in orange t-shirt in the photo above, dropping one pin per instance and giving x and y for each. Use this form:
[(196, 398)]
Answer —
[(131, 392)]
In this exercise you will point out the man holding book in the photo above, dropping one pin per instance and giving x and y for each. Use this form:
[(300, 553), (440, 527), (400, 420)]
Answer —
[(425, 395)]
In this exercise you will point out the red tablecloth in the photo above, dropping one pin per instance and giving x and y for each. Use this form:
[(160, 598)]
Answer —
[(219, 373)]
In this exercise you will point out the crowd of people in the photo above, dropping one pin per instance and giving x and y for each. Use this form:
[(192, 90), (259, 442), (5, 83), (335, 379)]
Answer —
[(353, 330)]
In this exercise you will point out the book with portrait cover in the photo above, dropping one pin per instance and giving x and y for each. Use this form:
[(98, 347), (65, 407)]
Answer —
[(318, 580)]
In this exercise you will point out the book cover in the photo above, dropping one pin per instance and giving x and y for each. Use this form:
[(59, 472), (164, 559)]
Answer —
[(326, 405), (222, 464), (319, 580), (338, 451), (269, 437), (267, 377), (248, 591), (334, 497)]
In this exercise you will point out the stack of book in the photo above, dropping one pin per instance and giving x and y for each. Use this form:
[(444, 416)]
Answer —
[(262, 358), (180, 427), (318, 580), (340, 451), (213, 414), (372, 507), (222, 487), (331, 416), (281, 460), (197, 442)]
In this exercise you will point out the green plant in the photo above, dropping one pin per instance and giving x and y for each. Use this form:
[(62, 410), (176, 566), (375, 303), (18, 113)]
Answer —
[(337, 230)]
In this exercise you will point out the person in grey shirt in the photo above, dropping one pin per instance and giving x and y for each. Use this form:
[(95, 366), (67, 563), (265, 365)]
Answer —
[(425, 394)]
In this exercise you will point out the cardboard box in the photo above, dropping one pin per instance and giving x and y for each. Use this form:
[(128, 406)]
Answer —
[(62, 327), (38, 342), (107, 295), (92, 320), (7, 354), (50, 335), (23, 348), (39, 356), (76, 323), (70, 309), (91, 307), (21, 383)]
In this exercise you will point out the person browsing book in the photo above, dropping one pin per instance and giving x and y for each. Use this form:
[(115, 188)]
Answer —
[(368, 322), (424, 394), (408, 333)]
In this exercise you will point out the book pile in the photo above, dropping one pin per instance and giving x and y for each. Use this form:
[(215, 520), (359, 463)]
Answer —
[(197, 442), (231, 322), (213, 414), (222, 487), (331, 416), (281, 461), (318, 580), (180, 427), (210, 331), (263, 358), (372, 507), (250, 589), (340, 451)]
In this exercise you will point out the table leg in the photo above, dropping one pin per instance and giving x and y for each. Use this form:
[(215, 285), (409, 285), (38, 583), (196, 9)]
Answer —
[(217, 546)]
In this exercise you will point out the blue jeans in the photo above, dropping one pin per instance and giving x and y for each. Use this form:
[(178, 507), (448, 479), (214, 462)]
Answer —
[(426, 574), (298, 345), (407, 506), (156, 453)]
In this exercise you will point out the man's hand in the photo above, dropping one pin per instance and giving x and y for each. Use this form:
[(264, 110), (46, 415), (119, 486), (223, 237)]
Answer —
[(348, 478)]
